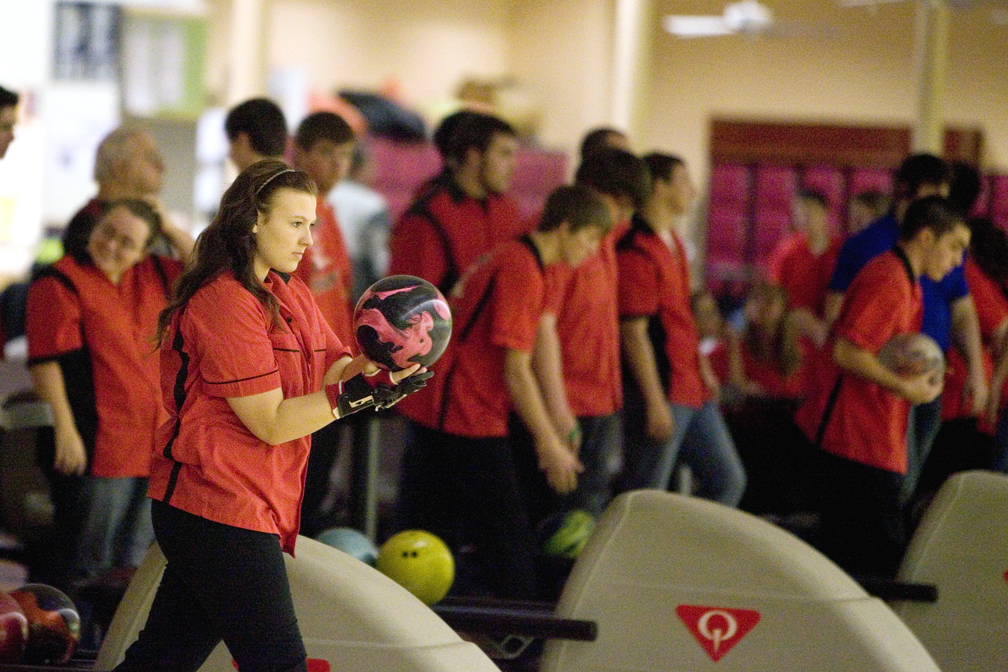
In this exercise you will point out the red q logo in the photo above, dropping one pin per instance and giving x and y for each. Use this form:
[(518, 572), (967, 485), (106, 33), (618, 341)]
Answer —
[(717, 629)]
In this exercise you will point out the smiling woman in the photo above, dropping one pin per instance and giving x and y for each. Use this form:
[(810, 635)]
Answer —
[(90, 323), (121, 237)]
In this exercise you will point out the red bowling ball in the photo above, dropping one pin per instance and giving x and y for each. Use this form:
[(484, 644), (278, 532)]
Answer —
[(54, 625), (13, 630)]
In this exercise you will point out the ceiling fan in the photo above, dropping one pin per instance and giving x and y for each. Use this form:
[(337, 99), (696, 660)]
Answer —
[(745, 17)]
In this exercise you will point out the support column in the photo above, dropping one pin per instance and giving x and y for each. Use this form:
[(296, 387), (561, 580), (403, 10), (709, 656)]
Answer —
[(931, 38), (246, 57), (633, 53)]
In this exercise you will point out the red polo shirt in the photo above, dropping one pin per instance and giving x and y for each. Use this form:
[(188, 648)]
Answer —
[(496, 307), (444, 231), (802, 273), (225, 344), (654, 282), (857, 419), (326, 269), (75, 306), (588, 328)]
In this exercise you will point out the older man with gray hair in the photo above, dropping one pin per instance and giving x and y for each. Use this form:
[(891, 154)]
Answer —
[(128, 164)]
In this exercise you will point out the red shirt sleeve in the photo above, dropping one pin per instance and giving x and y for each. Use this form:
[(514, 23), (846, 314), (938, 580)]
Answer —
[(52, 320), (866, 319), (518, 305), (638, 285), (778, 258)]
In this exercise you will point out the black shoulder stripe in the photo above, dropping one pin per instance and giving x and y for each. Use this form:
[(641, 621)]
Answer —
[(51, 272)]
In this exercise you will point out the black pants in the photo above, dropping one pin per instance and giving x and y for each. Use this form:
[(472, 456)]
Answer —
[(465, 491), (325, 445), (221, 582), (863, 522)]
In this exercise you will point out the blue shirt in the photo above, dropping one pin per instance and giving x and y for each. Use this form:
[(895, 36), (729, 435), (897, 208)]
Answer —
[(881, 235)]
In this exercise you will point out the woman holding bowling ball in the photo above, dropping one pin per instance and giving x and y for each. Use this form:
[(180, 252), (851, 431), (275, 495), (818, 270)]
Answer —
[(249, 369)]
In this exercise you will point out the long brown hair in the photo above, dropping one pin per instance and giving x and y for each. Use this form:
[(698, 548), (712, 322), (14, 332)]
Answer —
[(228, 243), (783, 353)]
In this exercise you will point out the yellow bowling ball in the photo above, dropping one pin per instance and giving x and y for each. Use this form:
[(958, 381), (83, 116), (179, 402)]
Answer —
[(419, 562)]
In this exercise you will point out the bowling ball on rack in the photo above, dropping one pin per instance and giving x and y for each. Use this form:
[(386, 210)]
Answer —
[(419, 562), (350, 541), (402, 320), (13, 630), (564, 535), (54, 625)]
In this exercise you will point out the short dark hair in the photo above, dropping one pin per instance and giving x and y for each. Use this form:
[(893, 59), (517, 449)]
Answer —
[(965, 186), (323, 126), (616, 172), (263, 121), (918, 170), (661, 165), (577, 205), (874, 200), (596, 139), (475, 131), (930, 212), (446, 129), (807, 194), (8, 98)]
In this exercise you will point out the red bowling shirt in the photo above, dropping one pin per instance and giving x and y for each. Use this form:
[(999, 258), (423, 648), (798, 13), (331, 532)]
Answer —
[(654, 282), (803, 274), (74, 308), (588, 329), (325, 267), (444, 231), (225, 344), (496, 307), (992, 311), (849, 416)]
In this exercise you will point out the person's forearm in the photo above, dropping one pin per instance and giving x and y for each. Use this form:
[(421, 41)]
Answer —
[(966, 331), (525, 396), (180, 240), (640, 357), (275, 420), (547, 365), (862, 363), (51, 388), (831, 307)]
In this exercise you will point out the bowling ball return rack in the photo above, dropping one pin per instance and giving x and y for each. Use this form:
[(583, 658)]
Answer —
[(507, 629)]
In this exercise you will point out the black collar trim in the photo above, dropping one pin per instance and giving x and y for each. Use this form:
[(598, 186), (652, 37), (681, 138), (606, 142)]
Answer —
[(527, 241), (901, 255)]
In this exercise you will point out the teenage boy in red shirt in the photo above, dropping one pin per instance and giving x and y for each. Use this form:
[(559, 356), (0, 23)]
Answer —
[(670, 413), (857, 413), (465, 211), (459, 478), (577, 352)]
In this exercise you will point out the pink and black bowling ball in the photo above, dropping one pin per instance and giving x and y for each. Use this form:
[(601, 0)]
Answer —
[(13, 630), (402, 320), (54, 625)]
